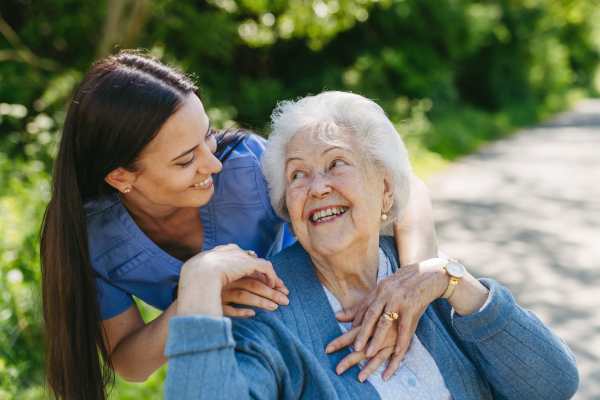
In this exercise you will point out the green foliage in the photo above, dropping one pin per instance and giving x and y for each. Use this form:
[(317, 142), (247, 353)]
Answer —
[(451, 73)]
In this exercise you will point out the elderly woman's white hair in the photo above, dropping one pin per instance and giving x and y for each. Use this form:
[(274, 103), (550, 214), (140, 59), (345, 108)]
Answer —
[(372, 130)]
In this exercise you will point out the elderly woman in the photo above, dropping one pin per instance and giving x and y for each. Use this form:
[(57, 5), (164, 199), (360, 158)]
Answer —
[(339, 172)]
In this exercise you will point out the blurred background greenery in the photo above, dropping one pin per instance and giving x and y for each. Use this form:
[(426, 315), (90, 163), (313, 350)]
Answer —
[(451, 73)]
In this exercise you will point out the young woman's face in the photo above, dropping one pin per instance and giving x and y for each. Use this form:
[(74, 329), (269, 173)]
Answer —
[(177, 166)]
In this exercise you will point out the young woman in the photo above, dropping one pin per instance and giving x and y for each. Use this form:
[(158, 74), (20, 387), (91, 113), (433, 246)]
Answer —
[(141, 184)]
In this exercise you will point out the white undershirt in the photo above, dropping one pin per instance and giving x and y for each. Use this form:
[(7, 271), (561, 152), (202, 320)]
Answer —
[(418, 376)]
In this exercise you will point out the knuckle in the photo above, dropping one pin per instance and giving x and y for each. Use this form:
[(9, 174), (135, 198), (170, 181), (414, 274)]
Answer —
[(402, 328), (370, 315), (241, 296), (255, 284)]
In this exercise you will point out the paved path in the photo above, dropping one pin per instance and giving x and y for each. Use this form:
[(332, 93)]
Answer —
[(526, 211)]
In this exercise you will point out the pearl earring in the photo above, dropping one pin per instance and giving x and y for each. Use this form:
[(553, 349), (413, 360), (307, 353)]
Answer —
[(383, 216), (127, 191)]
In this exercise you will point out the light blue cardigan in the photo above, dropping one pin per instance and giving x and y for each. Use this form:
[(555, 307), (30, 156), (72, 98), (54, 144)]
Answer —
[(500, 352)]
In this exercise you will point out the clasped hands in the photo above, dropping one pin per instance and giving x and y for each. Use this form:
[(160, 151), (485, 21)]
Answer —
[(407, 292)]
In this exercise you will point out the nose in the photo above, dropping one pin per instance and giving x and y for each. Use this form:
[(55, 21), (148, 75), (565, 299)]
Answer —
[(320, 187), (208, 163)]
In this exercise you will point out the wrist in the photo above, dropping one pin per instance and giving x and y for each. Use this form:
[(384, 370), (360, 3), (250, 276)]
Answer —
[(200, 295), (443, 279), (438, 279)]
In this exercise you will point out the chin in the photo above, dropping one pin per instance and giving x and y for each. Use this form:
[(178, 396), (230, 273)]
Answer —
[(329, 246), (200, 199)]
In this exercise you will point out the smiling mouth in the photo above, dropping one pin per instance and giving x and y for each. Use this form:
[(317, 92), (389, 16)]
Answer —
[(201, 183), (327, 214)]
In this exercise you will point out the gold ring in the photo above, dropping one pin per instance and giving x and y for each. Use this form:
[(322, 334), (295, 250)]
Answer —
[(390, 316), (251, 253)]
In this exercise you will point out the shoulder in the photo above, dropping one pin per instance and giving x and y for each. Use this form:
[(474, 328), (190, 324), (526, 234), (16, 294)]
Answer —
[(245, 154), (112, 241), (101, 220), (291, 255), (256, 144), (100, 204), (388, 245), (241, 184)]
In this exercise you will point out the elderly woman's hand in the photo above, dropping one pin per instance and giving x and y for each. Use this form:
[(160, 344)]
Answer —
[(355, 357), (408, 292), (387, 350)]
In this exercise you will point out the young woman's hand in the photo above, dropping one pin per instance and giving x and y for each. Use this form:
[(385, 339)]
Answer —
[(204, 276), (254, 292)]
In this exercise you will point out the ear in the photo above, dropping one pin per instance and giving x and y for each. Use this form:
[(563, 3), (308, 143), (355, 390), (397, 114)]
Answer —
[(388, 196), (120, 179)]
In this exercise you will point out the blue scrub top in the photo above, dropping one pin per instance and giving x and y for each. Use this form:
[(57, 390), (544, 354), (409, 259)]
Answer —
[(127, 263)]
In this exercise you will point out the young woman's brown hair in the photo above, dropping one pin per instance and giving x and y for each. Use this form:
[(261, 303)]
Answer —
[(117, 110)]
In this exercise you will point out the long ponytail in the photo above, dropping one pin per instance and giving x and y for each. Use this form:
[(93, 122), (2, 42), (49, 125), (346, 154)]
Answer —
[(115, 113), (74, 337)]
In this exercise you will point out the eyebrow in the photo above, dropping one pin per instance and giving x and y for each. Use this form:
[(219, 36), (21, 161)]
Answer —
[(193, 148), (332, 148), (323, 153)]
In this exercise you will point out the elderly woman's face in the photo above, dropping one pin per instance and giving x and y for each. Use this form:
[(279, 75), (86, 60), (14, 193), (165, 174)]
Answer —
[(335, 198)]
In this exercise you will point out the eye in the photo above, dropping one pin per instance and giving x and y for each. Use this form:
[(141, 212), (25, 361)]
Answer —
[(337, 163), (210, 134), (188, 163), (297, 175)]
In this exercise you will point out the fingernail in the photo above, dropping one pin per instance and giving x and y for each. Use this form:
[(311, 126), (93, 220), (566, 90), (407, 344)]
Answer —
[(397, 350), (340, 370), (272, 305), (250, 313), (385, 378), (284, 300), (361, 378), (329, 349), (285, 290), (357, 345), (370, 351), (341, 313)]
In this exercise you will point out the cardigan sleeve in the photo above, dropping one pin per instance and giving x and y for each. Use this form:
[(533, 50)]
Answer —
[(519, 355), (203, 362)]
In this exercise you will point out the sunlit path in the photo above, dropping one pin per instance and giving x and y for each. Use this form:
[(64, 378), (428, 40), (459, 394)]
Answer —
[(526, 211)]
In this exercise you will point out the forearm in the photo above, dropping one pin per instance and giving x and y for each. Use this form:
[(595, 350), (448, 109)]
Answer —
[(415, 232), (521, 357), (141, 353), (202, 360)]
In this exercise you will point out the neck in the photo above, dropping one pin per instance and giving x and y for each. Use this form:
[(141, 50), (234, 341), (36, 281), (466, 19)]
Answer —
[(350, 274), (145, 213)]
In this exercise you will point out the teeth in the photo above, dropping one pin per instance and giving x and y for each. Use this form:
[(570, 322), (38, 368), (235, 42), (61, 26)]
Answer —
[(202, 183), (326, 215)]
